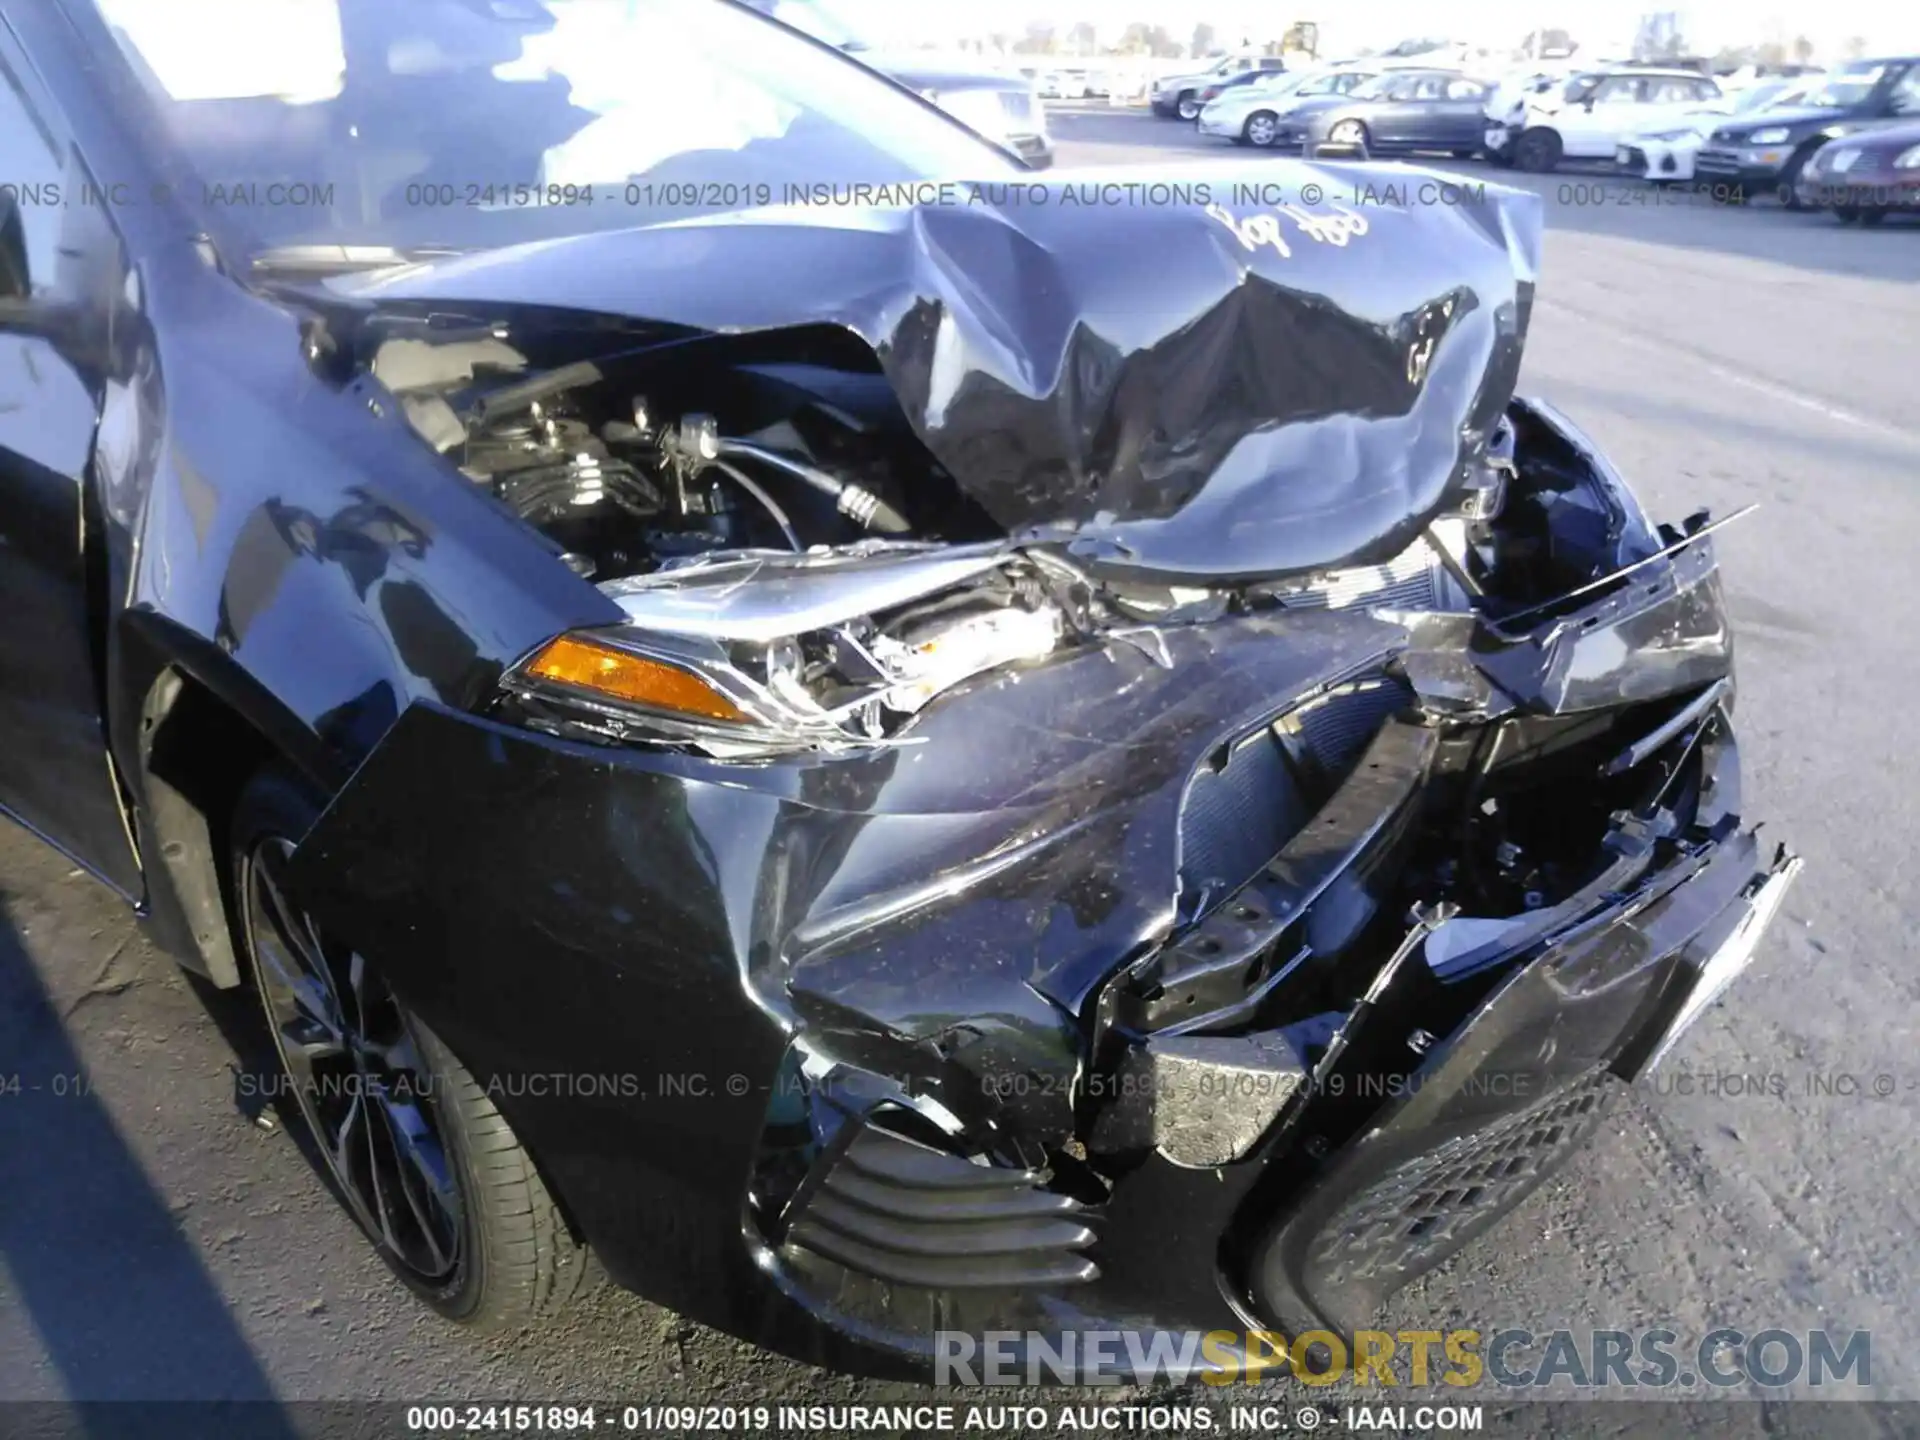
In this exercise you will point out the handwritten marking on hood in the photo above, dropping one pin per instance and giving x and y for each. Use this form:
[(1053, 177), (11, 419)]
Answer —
[(1333, 226)]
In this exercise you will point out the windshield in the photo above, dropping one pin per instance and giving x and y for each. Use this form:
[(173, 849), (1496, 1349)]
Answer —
[(1780, 94), (1848, 88), (1277, 82), (1332, 84), (461, 125), (1757, 96), (812, 18)]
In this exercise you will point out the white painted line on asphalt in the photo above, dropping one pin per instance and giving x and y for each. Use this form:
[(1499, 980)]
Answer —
[(1772, 389)]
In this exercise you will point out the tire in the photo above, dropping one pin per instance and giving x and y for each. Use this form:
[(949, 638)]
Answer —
[(1871, 218), (1261, 122), (481, 1241), (1846, 214), (1790, 177), (1187, 107), (1537, 151), (1351, 132)]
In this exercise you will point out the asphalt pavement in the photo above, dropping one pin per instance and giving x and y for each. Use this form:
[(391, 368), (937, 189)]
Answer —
[(155, 1244)]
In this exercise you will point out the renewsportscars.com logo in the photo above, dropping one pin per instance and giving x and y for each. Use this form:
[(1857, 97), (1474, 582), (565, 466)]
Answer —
[(1655, 1358)]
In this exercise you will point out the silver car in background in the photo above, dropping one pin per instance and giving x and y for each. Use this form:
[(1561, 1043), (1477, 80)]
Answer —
[(1005, 108), (1256, 113)]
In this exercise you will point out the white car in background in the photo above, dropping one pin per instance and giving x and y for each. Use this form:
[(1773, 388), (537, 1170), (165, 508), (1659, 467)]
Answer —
[(1665, 155), (1255, 113), (1588, 116)]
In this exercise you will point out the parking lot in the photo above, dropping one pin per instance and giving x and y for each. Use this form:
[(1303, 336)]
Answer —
[(154, 1243)]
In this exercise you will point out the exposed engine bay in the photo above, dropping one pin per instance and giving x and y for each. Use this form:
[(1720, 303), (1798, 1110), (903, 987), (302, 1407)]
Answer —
[(673, 475), (639, 463)]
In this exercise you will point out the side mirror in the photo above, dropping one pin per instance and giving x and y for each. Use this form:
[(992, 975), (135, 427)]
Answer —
[(21, 311)]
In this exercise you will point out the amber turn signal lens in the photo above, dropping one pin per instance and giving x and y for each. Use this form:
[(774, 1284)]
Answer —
[(621, 675)]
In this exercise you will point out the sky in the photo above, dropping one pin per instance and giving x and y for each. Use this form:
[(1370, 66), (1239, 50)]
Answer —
[(1707, 24)]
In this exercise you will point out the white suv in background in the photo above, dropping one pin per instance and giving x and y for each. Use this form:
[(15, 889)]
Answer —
[(1588, 116)]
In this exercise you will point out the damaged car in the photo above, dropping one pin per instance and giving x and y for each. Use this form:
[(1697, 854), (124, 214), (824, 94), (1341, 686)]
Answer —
[(776, 707)]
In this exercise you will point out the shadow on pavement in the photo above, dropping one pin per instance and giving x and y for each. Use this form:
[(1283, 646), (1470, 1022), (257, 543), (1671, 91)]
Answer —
[(115, 1291)]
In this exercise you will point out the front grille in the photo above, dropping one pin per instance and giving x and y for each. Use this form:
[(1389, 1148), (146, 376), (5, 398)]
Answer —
[(1431, 1204), (910, 1214)]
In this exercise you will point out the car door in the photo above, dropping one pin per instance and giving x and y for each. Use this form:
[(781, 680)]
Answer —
[(1587, 129), (1396, 115), (55, 774), (1460, 116), (1673, 101)]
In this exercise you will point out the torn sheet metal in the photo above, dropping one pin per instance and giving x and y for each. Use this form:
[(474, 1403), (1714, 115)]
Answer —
[(1184, 382)]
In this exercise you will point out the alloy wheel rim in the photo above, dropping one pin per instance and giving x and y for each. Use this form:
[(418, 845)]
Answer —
[(1347, 132), (357, 1075), (1261, 130), (1189, 108)]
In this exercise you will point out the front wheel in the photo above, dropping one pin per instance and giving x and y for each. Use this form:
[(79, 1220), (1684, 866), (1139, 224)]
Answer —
[(1790, 180), (1262, 128), (1537, 151), (409, 1142), (1188, 106), (1846, 214)]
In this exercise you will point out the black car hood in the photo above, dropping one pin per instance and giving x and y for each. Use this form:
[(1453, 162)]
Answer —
[(1180, 378), (1793, 118)]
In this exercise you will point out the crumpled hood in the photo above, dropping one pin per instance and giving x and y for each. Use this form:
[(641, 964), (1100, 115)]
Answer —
[(1217, 371)]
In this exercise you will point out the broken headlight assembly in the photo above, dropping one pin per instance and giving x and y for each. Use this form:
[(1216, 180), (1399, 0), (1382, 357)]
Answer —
[(771, 652)]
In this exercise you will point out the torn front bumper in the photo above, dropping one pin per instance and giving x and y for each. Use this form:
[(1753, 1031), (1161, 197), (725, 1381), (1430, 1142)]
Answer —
[(578, 968), (1102, 1005), (1497, 1107)]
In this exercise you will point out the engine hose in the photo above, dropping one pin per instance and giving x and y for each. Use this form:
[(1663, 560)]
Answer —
[(856, 502), (753, 488)]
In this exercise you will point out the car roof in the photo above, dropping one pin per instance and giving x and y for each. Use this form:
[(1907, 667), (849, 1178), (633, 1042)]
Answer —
[(1674, 72)]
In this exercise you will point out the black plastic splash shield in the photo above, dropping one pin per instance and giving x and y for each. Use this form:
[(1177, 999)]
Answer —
[(1187, 381)]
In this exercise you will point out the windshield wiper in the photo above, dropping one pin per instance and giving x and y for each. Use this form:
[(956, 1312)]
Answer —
[(324, 260)]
